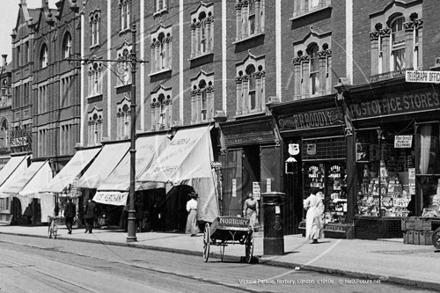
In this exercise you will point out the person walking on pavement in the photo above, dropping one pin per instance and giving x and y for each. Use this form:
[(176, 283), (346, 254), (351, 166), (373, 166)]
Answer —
[(69, 214), (250, 209), (314, 207), (191, 221), (89, 215)]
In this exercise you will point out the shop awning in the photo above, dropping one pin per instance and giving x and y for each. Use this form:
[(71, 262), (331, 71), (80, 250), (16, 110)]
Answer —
[(187, 160), (10, 167), (40, 180), (72, 169), (103, 165), (18, 167), (188, 156), (114, 189), (17, 185)]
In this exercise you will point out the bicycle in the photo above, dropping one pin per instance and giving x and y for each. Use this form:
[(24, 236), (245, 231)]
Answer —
[(52, 229)]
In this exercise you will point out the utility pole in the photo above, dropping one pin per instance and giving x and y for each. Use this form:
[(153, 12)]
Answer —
[(131, 236), (131, 229)]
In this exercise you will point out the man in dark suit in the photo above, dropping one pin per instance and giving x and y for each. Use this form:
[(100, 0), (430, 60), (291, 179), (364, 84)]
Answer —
[(89, 215), (69, 213)]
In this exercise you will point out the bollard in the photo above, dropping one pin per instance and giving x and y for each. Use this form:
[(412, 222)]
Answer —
[(273, 241)]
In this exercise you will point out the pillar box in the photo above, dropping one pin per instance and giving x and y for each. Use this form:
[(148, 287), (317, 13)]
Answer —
[(273, 242)]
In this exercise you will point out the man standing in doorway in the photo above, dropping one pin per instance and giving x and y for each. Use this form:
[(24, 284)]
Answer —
[(89, 215)]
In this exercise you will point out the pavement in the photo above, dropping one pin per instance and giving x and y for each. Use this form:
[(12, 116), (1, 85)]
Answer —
[(388, 260)]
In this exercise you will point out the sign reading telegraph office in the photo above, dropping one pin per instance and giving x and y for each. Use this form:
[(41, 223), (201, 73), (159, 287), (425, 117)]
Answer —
[(396, 103)]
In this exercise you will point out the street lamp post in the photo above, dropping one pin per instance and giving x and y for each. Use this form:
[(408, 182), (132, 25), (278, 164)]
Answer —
[(131, 236)]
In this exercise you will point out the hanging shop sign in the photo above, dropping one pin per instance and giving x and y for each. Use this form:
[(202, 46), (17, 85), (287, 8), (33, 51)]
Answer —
[(423, 76), (311, 119), (403, 141), (400, 103)]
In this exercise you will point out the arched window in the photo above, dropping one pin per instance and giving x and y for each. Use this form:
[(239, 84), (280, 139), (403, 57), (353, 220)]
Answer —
[(4, 133), (312, 51), (250, 71), (44, 56), (161, 109), (397, 44), (67, 45)]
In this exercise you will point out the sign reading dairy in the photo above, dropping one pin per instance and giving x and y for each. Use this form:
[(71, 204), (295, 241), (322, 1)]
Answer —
[(423, 76)]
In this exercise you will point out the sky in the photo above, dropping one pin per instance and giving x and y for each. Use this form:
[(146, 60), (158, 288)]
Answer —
[(8, 19)]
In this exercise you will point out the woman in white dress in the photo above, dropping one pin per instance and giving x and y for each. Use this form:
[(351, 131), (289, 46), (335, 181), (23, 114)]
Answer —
[(315, 208), (191, 221)]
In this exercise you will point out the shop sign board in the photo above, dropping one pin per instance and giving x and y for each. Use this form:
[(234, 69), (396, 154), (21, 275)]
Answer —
[(311, 119), (422, 76), (396, 103), (403, 141)]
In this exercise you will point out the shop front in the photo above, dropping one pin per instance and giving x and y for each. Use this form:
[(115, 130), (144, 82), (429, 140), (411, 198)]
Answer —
[(396, 155), (250, 162), (315, 155)]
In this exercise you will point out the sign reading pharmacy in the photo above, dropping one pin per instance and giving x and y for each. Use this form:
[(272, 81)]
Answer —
[(423, 76)]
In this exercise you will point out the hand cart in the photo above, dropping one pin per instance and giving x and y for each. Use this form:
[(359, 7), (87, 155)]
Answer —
[(226, 230)]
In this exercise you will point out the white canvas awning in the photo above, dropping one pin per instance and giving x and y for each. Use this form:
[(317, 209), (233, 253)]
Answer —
[(17, 185), (40, 180), (9, 168), (148, 149), (188, 156), (103, 165), (187, 160), (72, 169)]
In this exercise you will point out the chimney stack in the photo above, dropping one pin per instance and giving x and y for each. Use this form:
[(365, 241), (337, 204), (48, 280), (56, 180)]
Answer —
[(4, 62)]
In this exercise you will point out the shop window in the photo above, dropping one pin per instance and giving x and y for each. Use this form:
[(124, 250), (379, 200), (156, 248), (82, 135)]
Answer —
[(161, 109), (250, 16), (202, 31), (325, 168), (428, 170), (386, 173)]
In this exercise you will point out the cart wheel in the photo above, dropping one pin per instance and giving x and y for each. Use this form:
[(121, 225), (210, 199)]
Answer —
[(436, 238), (206, 242), (250, 246), (222, 252)]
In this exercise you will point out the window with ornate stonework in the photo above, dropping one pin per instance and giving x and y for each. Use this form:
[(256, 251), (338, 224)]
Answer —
[(161, 7), (202, 98), (251, 85), (123, 66), (94, 78), (396, 38), (202, 30), (250, 18), (4, 133), (67, 45), (94, 21), (161, 108), (302, 7), (44, 56), (124, 7), (312, 65), (161, 50), (94, 127), (123, 118)]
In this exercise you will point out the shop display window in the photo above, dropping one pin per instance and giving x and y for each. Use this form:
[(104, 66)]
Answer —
[(324, 162), (428, 170), (386, 173)]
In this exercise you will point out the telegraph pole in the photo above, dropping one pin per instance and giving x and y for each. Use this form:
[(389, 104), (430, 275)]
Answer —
[(131, 236)]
